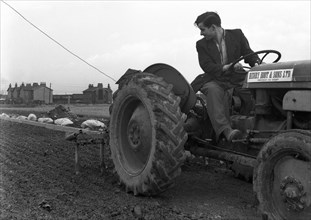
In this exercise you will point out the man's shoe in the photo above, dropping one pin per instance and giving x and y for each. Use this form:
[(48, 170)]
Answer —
[(232, 134)]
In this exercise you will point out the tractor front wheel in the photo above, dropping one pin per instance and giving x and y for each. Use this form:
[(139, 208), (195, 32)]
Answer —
[(282, 176), (146, 135)]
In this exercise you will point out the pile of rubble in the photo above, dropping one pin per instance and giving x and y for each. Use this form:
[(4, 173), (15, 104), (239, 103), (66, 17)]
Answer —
[(60, 116)]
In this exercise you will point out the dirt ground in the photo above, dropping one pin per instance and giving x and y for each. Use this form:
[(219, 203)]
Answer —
[(37, 181)]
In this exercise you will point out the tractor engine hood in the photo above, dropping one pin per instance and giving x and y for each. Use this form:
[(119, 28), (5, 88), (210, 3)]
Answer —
[(293, 74)]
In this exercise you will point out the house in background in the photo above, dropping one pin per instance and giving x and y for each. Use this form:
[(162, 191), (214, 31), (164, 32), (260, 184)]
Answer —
[(27, 94), (92, 95), (15, 94), (98, 94), (41, 94)]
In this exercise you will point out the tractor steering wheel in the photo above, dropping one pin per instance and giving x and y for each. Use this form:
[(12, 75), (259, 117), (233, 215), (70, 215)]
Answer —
[(266, 52)]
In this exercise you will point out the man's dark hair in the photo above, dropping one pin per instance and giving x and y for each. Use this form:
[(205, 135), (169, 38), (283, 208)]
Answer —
[(208, 18)]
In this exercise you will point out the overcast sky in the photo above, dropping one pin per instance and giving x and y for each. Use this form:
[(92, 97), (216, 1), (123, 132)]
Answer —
[(117, 35)]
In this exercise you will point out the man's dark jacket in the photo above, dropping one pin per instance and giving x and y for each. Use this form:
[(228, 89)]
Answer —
[(209, 57)]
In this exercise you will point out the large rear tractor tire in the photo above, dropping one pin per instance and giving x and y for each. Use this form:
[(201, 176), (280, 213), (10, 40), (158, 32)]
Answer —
[(282, 176), (147, 136)]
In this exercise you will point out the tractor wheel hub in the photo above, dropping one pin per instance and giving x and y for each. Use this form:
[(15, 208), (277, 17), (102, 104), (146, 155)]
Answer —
[(293, 193), (134, 135)]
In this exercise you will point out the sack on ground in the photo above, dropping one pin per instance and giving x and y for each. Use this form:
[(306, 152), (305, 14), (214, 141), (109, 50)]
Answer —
[(63, 121), (92, 124)]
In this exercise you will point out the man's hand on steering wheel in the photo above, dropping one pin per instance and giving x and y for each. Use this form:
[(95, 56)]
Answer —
[(265, 52), (236, 67)]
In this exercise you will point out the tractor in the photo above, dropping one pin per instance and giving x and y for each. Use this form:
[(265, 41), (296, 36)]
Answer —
[(156, 117)]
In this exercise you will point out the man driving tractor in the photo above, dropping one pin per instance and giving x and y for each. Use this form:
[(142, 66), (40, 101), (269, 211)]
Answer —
[(216, 51)]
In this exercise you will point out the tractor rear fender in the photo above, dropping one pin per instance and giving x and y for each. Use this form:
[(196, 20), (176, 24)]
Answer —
[(181, 87), (170, 75)]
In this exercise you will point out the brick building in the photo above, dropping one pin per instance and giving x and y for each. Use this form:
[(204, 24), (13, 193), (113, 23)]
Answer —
[(92, 95), (27, 94), (98, 94)]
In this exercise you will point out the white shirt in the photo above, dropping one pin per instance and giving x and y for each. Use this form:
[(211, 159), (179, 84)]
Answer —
[(222, 49)]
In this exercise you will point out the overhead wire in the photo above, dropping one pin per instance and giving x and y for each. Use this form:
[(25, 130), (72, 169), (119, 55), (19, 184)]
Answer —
[(55, 41)]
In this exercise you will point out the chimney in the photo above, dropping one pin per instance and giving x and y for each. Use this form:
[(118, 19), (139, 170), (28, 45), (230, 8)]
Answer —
[(90, 86), (109, 86), (10, 86), (22, 84), (28, 84), (43, 84), (100, 85), (35, 84), (15, 85)]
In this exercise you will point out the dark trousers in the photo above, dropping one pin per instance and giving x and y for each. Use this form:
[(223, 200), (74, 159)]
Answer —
[(218, 102)]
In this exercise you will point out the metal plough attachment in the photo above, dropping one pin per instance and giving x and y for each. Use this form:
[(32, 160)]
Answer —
[(88, 139)]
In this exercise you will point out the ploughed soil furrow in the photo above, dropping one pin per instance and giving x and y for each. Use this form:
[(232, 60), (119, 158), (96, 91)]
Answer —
[(34, 171), (60, 154), (38, 167), (47, 162), (30, 156), (24, 161), (60, 149), (38, 181)]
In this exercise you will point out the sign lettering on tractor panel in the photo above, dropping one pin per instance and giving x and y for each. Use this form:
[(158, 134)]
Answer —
[(281, 75)]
